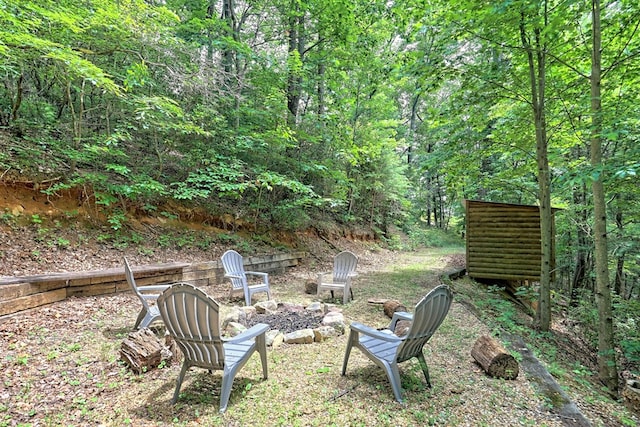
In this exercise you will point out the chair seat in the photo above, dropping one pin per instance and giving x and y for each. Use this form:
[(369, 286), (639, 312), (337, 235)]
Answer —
[(380, 349), (234, 352), (332, 286)]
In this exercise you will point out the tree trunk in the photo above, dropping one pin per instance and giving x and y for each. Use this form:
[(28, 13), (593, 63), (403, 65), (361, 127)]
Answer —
[(296, 44), (607, 368), (537, 63), (229, 17), (18, 101), (583, 247)]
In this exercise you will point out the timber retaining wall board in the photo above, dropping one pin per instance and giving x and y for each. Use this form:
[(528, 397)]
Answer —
[(23, 293)]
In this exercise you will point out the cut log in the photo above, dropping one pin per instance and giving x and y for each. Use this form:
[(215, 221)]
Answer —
[(391, 306), (402, 327), (311, 287), (494, 359), (142, 351), (631, 395)]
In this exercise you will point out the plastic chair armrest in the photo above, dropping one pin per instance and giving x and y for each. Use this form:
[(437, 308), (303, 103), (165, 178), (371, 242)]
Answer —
[(399, 315), (155, 288), (374, 333), (252, 332)]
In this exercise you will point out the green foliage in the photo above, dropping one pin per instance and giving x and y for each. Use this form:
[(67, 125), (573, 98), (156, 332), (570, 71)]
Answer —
[(627, 315), (501, 311), (421, 236), (117, 219)]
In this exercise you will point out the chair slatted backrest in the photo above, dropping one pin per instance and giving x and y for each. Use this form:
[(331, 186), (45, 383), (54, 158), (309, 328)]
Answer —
[(344, 264), (191, 317), (128, 272), (234, 266), (429, 314)]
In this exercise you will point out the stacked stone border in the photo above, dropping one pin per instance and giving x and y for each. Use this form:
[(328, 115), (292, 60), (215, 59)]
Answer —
[(331, 325)]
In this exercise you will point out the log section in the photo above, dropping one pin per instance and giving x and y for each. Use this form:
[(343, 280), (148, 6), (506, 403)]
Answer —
[(143, 351), (391, 306), (494, 359)]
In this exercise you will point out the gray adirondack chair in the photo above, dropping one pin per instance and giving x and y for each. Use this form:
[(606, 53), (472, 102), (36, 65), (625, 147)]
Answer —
[(191, 318), (147, 295), (386, 349), (234, 270), (344, 269)]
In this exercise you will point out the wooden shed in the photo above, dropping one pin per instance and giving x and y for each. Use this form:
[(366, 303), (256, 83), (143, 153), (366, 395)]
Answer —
[(503, 241)]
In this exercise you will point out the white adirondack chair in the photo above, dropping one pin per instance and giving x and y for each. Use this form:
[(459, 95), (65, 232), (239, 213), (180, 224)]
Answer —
[(191, 318), (344, 269), (386, 349), (148, 295), (234, 270)]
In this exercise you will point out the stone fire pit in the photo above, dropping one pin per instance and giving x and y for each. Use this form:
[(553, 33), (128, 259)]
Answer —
[(290, 323)]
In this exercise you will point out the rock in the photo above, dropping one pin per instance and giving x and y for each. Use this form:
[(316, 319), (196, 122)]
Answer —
[(17, 210), (266, 307), (278, 340), (274, 338), (332, 307), (323, 332), (335, 319), (332, 318), (289, 307), (316, 307), (236, 315), (234, 328), (302, 336), (249, 312)]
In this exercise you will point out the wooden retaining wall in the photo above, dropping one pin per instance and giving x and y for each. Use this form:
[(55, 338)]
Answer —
[(23, 293), (504, 241)]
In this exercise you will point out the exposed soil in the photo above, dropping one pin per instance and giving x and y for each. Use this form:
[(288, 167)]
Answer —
[(47, 234)]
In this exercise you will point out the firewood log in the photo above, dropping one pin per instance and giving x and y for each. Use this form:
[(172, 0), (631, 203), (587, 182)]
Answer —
[(142, 351), (494, 359), (391, 306), (311, 287)]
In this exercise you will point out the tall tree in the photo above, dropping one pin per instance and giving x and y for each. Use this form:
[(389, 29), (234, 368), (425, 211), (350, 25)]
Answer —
[(535, 47), (607, 367)]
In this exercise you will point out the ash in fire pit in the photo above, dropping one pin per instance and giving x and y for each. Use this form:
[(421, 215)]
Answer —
[(288, 321)]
